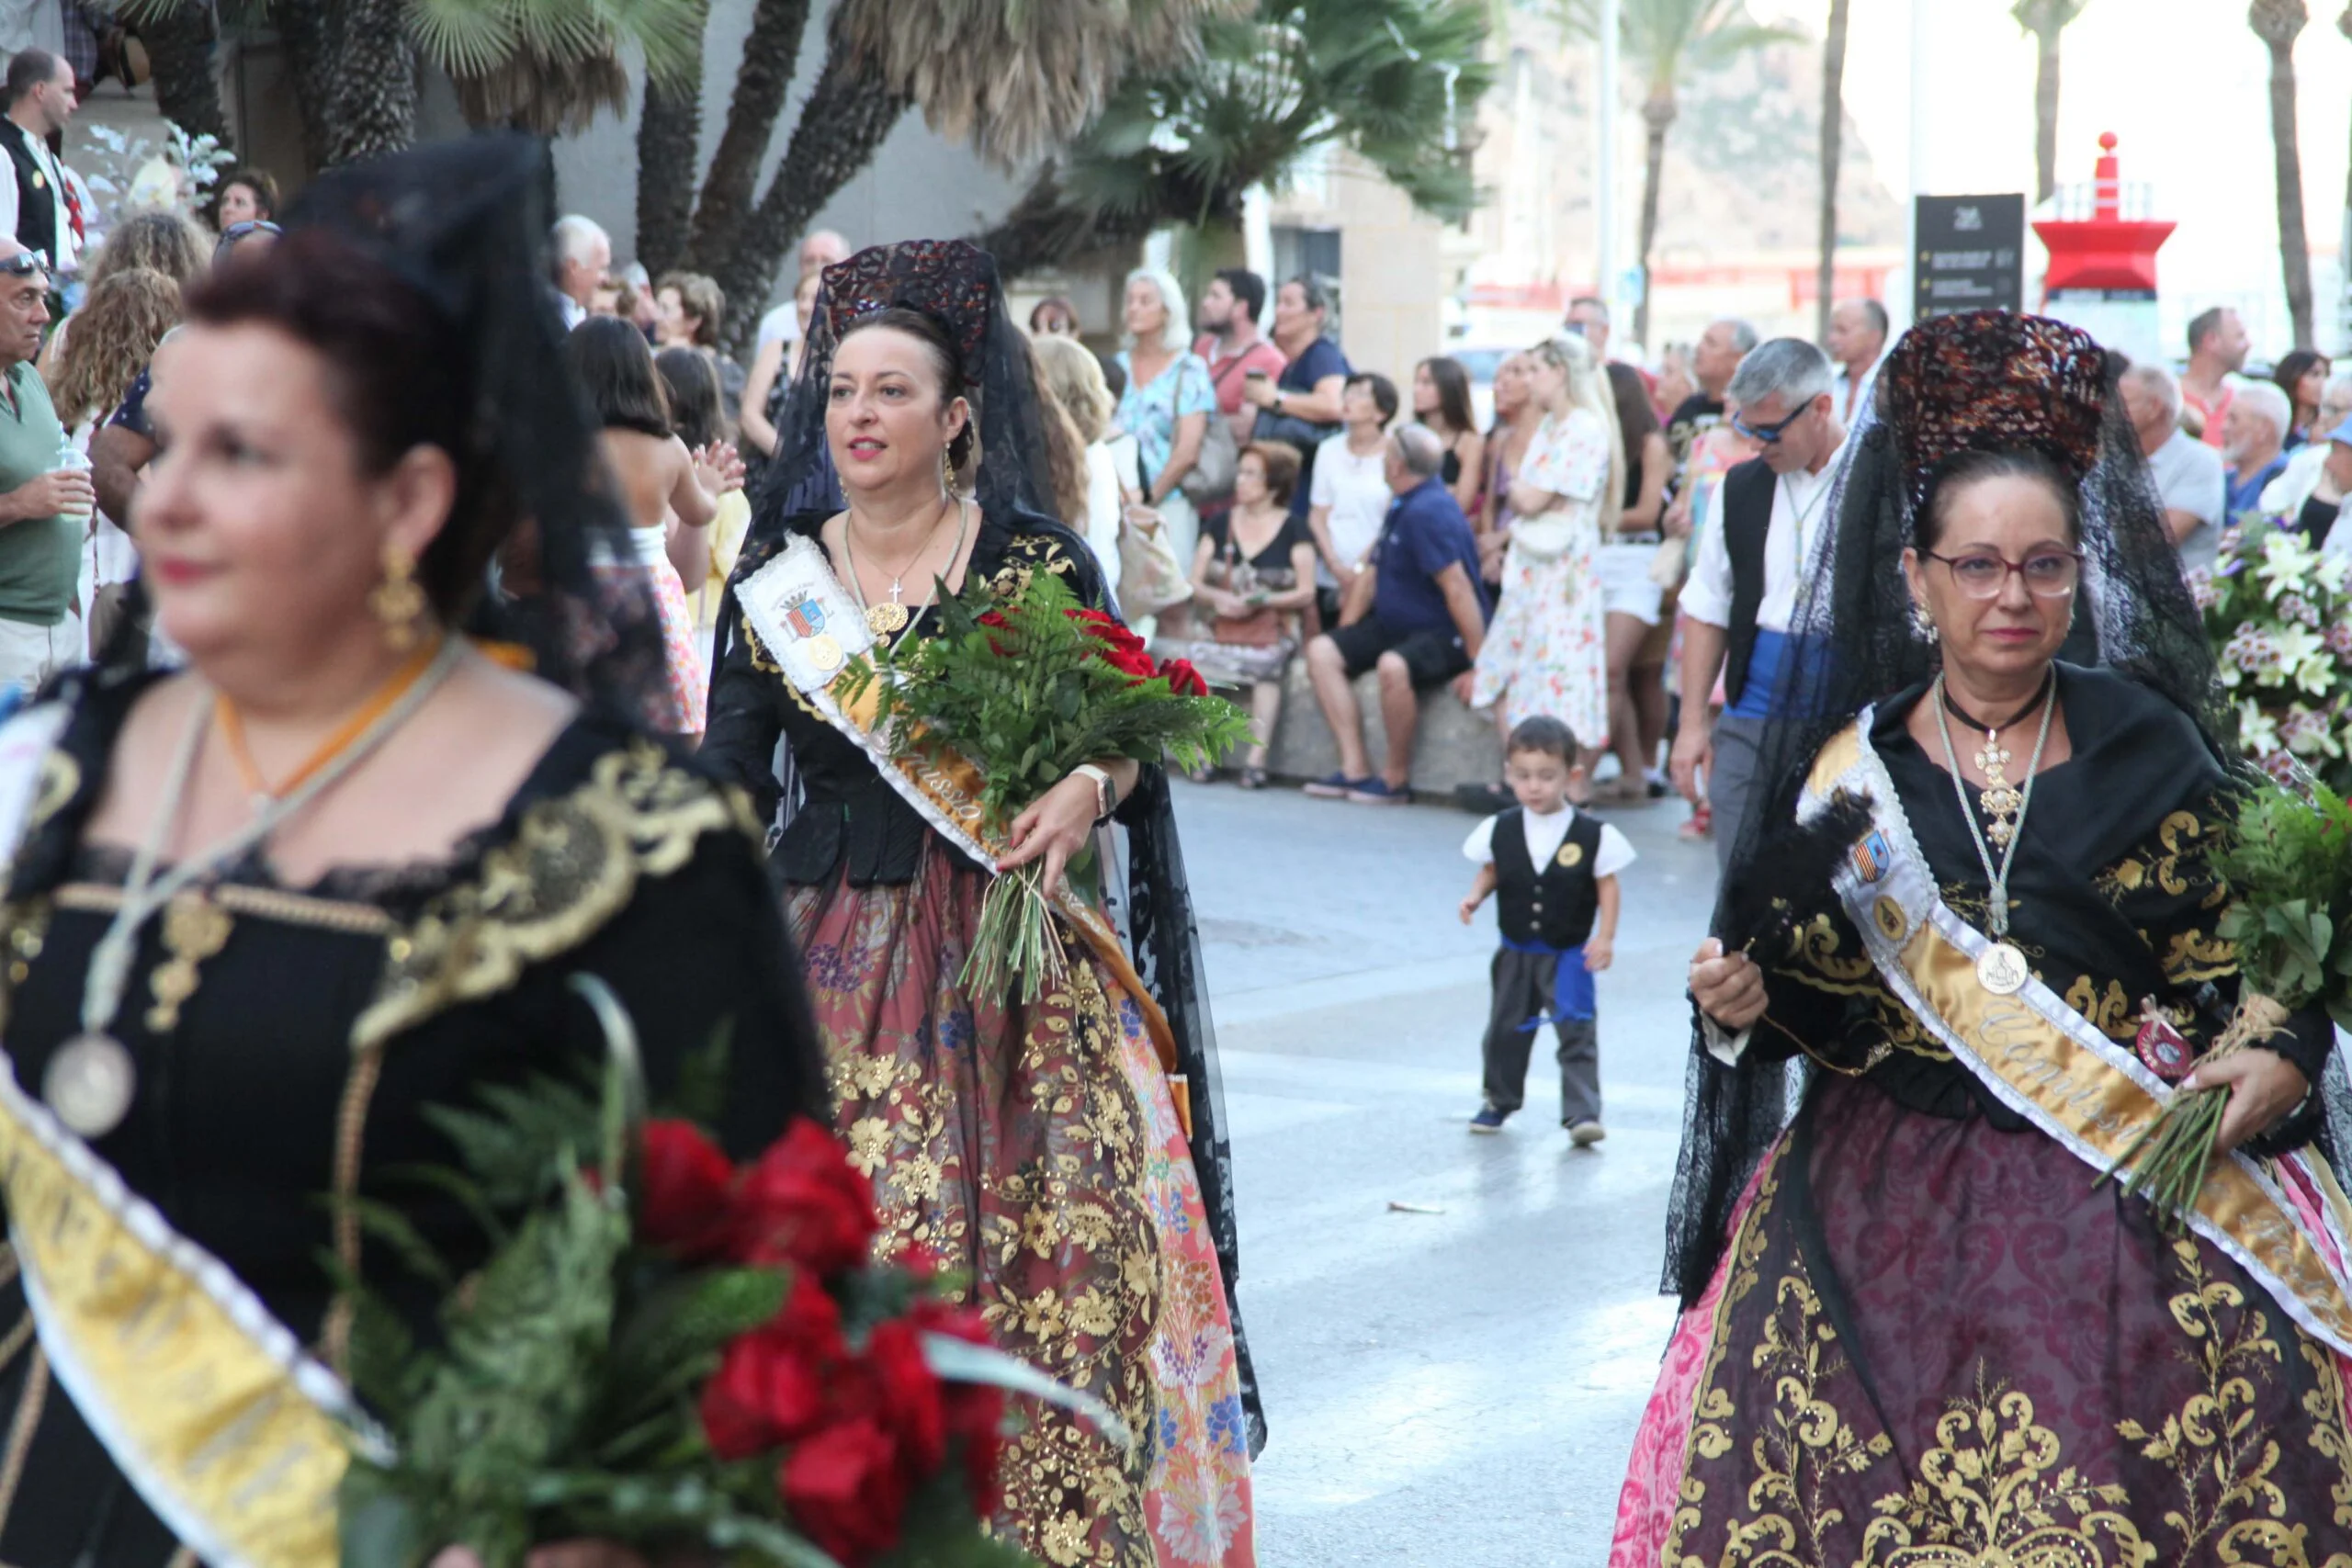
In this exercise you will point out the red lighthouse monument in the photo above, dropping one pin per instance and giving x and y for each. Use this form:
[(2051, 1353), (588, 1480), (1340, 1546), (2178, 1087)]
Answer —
[(2103, 247)]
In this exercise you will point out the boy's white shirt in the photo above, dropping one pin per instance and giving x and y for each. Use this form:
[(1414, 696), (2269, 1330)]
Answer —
[(1545, 833)]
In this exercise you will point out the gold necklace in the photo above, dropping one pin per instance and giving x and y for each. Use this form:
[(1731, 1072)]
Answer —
[(885, 619), (2000, 968)]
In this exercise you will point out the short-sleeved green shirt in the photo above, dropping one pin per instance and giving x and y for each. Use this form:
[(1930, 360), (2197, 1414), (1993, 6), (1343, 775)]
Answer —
[(39, 557)]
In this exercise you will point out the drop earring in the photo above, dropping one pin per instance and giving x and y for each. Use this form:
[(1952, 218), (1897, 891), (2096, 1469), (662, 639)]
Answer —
[(397, 601), (1923, 625)]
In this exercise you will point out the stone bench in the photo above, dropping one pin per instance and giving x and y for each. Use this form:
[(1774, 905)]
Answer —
[(1453, 746)]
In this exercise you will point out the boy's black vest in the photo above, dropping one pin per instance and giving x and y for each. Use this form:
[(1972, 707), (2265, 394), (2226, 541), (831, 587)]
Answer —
[(1747, 500), (1554, 904)]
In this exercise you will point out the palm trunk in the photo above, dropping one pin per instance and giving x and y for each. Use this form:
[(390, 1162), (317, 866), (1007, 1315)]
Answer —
[(771, 50), (848, 113), (2278, 22), (2045, 113), (1045, 229), (180, 42), (1657, 115), (302, 33), (372, 105), (1833, 131), (669, 138)]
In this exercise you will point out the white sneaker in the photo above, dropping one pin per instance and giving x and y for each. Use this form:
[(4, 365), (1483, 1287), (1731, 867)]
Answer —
[(1584, 1135)]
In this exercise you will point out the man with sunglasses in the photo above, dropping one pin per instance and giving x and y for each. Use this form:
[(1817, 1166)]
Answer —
[(43, 508), (1751, 560)]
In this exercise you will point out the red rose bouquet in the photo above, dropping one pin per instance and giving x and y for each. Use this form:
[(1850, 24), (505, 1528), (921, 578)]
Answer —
[(677, 1355), (1026, 686)]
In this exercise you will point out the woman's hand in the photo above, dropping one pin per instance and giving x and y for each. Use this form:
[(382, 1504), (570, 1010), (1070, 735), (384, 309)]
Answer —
[(1055, 827), (1729, 987), (2263, 1087)]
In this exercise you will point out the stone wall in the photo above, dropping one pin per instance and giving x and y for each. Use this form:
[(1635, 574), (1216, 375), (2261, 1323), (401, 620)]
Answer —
[(1453, 746)]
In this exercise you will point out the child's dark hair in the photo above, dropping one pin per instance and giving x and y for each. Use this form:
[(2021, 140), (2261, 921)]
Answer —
[(1545, 734)]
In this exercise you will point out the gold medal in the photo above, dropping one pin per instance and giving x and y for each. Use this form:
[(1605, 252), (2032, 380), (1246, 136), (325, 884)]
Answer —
[(2002, 970), (1571, 854), (89, 1083), (886, 618), (823, 651)]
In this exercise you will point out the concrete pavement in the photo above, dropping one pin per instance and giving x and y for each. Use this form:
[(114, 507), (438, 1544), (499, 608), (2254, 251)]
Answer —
[(1458, 1386)]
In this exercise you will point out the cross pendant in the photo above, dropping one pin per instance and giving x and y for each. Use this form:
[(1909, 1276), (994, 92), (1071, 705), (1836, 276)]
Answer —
[(894, 591)]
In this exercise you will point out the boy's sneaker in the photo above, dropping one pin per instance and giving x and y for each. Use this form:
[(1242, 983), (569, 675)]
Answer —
[(1377, 791), (1584, 1135), (1334, 786), (1488, 1120)]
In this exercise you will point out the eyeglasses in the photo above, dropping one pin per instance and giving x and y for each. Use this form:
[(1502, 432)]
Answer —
[(24, 264), (1768, 434), (1982, 574), (236, 232)]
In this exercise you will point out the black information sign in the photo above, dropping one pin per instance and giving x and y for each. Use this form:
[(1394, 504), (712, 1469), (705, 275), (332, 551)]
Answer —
[(1971, 255)]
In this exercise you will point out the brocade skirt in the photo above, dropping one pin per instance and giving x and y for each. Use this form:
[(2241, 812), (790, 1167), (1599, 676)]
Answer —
[(1932, 1343), (1034, 1152)]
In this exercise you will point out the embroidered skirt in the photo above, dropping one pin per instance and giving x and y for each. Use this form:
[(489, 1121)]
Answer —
[(1033, 1150), (1931, 1342)]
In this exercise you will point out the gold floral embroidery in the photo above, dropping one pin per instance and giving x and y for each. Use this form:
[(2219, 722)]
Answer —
[(2109, 1012), (2191, 956), (2323, 1402), (572, 865), (2219, 1457), (1986, 1495), (1712, 1414)]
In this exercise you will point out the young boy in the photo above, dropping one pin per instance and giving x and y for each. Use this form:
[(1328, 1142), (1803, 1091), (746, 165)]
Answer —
[(1556, 874)]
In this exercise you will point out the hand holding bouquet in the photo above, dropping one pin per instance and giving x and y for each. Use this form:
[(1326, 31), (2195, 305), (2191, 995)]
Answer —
[(1026, 688), (2289, 866)]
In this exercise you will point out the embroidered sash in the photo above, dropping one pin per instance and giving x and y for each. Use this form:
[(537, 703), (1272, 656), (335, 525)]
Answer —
[(813, 629), (236, 1439), (2284, 1220)]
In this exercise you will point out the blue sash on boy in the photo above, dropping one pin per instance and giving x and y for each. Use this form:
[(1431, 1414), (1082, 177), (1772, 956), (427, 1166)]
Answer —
[(1550, 910)]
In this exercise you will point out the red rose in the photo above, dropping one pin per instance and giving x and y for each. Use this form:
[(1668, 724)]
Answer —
[(1183, 679), (1106, 630), (974, 1411), (907, 1393), (846, 1488), (685, 1206), (802, 1203), (773, 1383)]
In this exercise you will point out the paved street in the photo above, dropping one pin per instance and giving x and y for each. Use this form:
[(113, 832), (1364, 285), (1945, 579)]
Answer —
[(1449, 1387)]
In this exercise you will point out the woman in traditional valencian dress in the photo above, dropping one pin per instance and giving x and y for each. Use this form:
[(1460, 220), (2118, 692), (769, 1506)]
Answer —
[(262, 916), (1036, 1150), (1980, 910)]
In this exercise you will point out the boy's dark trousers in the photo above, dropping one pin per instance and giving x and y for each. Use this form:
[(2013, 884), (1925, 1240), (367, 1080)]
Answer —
[(1522, 983)]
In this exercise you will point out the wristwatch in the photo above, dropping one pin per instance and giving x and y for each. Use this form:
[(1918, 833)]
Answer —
[(1106, 792)]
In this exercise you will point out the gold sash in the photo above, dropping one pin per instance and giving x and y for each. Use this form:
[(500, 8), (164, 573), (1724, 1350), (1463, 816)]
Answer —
[(2284, 1220), (806, 620)]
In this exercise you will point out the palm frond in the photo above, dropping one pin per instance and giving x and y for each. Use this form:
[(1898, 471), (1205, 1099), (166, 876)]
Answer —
[(463, 38), (1017, 77), (545, 95)]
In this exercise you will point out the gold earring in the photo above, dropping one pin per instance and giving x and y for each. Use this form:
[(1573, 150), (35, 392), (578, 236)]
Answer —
[(397, 601), (1922, 623), (947, 470)]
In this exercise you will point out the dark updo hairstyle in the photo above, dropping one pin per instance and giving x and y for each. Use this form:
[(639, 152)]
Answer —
[(1962, 469), (614, 366), (383, 349), (691, 382), (945, 359)]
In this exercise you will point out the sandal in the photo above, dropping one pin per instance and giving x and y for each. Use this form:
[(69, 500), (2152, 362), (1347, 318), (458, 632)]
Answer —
[(1252, 778)]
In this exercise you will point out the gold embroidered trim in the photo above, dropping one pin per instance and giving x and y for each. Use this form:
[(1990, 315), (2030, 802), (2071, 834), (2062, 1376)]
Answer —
[(571, 866), (264, 903), (194, 929)]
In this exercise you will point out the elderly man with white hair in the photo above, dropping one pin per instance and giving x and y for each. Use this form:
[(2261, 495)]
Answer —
[(1417, 612), (2254, 439), (2191, 484), (584, 260)]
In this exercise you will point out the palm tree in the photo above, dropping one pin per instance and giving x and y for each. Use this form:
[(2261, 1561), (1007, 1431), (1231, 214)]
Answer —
[(2276, 23), (1833, 130), (2045, 19), (1666, 39), (1015, 76), (1396, 81)]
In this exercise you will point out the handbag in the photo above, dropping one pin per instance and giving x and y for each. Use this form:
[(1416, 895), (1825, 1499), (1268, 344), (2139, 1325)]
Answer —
[(1544, 536), (1211, 479), (1671, 563), (1150, 579)]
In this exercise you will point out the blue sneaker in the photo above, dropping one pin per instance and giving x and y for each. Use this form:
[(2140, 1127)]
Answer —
[(1488, 1120), (1335, 786), (1377, 792)]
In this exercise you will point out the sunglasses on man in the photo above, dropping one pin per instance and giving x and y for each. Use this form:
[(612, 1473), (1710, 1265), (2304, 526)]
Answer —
[(236, 232), (24, 264), (1768, 434)]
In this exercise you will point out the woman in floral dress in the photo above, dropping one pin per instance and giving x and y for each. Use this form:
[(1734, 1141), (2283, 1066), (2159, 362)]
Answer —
[(1545, 652)]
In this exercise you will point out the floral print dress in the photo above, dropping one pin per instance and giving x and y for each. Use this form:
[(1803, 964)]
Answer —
[(1545, 652)]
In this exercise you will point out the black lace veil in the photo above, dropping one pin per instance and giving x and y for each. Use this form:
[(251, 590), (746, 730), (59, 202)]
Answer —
[(955, 283), (464, 222), (1975, 382)]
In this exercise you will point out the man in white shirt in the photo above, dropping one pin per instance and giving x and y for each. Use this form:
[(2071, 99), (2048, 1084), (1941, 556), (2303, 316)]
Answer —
[(1857, 343), (584, 260), (2191, 484), (38, 205), (1753, 558), (817, 251)]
